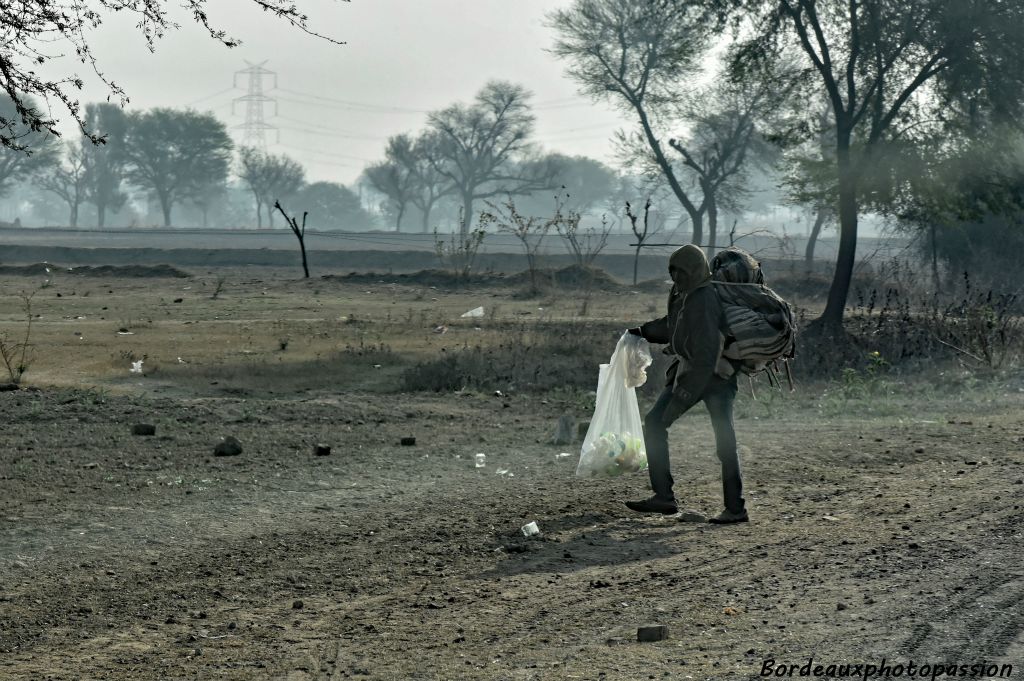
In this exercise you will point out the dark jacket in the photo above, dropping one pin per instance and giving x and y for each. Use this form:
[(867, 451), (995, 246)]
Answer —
[(694, 331)]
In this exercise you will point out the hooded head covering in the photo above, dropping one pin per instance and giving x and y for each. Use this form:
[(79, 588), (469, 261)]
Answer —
[(689, 268)]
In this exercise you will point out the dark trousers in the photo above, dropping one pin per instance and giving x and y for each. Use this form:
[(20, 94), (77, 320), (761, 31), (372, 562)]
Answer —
[(718, 397)]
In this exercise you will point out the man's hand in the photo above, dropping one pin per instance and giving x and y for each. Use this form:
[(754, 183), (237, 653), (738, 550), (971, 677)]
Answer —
[(635, 331), (673, 410)]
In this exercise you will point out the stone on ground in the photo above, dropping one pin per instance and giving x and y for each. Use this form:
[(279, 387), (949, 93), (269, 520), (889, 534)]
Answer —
[(229, 446)]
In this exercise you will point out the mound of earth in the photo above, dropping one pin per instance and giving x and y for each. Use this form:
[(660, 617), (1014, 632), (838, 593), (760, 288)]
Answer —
[(573, 276), (657, 285), (437, 278), (128, 271)]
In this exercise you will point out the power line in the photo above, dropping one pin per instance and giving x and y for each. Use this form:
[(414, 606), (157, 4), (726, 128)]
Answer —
[(215, 94), (324, 153), (377, 108), (307, 124)]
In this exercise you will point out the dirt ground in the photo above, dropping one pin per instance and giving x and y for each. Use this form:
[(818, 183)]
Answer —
[(886, 522)]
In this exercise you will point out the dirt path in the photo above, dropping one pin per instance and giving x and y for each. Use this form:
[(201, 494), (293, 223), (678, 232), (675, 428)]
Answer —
[(147, 558)]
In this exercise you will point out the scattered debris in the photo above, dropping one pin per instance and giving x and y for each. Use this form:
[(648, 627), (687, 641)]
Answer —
[(408, 442), (530, 529), (143, 429), (480, 460), (136, 367), (322, 450), (298, 605), (692, 517), (581, 429), (475, 312), (651, 633), (228, 446), (8, 387), (731, 611), (440, 329)]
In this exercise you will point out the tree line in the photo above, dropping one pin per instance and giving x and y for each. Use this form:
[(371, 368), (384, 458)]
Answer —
[(175, 158)]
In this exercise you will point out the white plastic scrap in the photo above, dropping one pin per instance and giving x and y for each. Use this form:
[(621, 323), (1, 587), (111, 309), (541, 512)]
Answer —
[(475, 312), (530, 529), (638, 358), (136, 367)]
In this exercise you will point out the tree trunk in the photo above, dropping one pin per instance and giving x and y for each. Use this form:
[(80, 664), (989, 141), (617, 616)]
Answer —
[(697, 220), (666, 169), (101, 215), (165, 204), (259, 214), (73, 218), (302, 247), (270, 217), (709, 198), (819, 221), (428, 208), (401, 214), (636, 263), (832, 318), (935, 259), (467, 214)]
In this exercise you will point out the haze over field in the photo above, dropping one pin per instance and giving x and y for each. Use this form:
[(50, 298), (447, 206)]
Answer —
[(338, 104)]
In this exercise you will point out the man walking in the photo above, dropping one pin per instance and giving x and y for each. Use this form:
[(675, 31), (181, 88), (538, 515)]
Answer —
[(694, 331)]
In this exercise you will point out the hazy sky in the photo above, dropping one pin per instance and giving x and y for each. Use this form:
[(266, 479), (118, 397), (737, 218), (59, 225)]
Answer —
[(338, 104)]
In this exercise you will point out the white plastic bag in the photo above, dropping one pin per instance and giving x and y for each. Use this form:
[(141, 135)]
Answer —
[(615, 439)]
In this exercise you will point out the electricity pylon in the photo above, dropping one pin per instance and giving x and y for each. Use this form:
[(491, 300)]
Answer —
[(255, 127)]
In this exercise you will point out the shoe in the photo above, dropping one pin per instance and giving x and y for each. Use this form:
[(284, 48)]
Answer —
[(653, 505), (728, 517)]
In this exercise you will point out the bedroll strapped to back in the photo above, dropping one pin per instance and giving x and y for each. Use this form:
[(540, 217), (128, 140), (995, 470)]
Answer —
[(762, 329)]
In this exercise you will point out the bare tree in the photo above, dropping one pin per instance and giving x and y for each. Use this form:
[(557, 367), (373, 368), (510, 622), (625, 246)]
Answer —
[(431, 184), (37, 32), (395, 177), (635, 53), (300, 233), (642, 234), (458, 252), (584, 244), (529, 230), (483, 149), (724, 139), (67, 179), (17, 355), (270, 178)]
